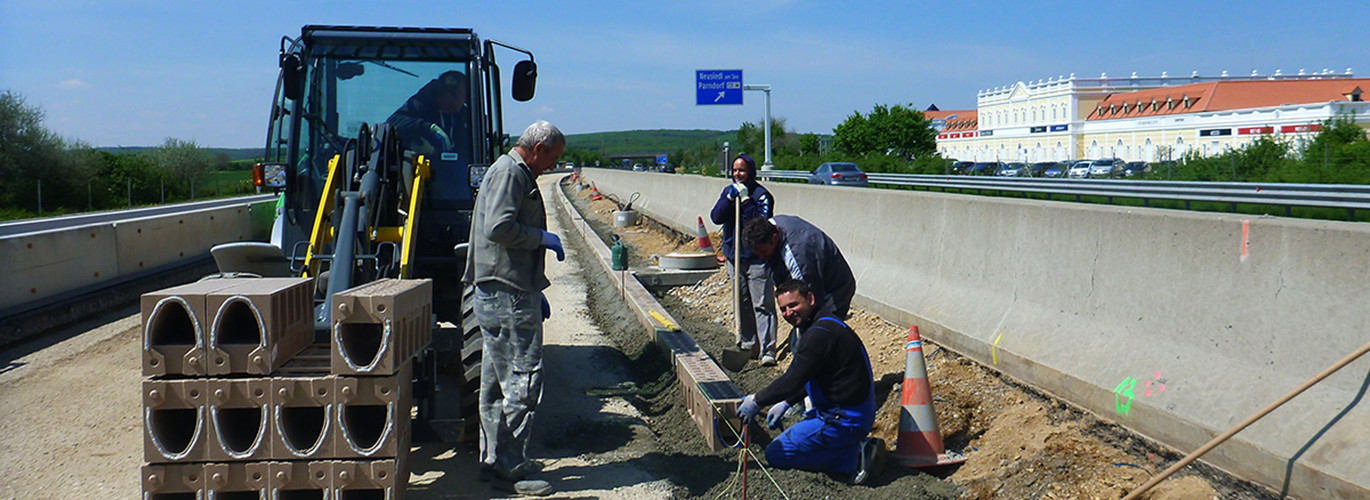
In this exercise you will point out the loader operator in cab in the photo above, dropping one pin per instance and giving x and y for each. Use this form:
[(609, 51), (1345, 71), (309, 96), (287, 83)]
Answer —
[(435, 121)]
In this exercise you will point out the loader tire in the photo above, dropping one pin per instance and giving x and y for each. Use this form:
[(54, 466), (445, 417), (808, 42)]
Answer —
[(471, 347)]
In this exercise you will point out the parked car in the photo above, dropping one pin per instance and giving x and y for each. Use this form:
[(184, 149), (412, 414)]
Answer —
[(961, 166), (1014, 169), (838, 174), (1079, 169), (1136, 169), (1040, 169), (983, 168), (1056, 169), (1103, 169)]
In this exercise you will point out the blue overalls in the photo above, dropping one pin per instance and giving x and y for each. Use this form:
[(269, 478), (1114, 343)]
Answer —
[(829, 437)]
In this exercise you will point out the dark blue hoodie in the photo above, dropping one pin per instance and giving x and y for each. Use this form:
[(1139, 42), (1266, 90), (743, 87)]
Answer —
[(759, 205)]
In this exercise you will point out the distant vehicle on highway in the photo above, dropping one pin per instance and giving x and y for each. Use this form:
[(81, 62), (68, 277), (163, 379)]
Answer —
[(961, 166), (668, 169), (983, 168), (1136, 169), (1041, 168), (1079, 169), (1105, 168), (637, 167), (838, 174), (1014, 169)]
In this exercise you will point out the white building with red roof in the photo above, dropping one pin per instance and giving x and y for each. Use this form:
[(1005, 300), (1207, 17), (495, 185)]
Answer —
[(1145, 118)]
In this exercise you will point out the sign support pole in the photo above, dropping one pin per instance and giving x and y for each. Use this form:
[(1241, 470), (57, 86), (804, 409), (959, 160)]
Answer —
[(767, 89)]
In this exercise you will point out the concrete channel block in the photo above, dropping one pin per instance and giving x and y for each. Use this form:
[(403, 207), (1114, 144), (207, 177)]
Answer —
[(174, 420), (259, 323), (372, 415), (237, 480), (173, 481), (302, 417), (239, 419), (175, 323), (301, 479), (711, 399), (369, 479), (379, 326)]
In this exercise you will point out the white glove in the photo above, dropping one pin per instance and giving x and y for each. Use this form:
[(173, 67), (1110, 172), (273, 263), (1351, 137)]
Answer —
[(740, 191)]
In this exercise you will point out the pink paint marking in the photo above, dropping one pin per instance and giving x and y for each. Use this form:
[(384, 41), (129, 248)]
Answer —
[(1158, 375), (1162, 387), (1246, 234), (1147, 383), (1148, 392)]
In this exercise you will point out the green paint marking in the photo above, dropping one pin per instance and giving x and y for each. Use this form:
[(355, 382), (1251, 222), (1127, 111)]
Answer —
[(1124, 389)]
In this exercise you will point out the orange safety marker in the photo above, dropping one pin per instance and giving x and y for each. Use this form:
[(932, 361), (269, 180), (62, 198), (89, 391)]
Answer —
[(920, 443), (705, 244), (595, 190)]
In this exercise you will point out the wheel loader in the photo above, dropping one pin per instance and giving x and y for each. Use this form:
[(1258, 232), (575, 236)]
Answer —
[(377, 142)]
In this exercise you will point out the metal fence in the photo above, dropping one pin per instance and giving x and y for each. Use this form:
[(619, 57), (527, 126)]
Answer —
[(1349, 197)]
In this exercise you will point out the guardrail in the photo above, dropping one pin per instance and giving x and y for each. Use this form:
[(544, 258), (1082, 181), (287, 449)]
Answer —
[(1350, 197)]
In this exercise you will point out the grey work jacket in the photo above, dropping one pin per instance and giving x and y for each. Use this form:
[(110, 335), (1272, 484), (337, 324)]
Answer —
[(506, 228)]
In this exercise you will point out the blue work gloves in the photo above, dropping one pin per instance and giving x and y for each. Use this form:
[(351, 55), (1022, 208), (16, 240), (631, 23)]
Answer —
[(748, 410), (738, 190), (773, 417), (440, 138), (547, 309), (552, 242)]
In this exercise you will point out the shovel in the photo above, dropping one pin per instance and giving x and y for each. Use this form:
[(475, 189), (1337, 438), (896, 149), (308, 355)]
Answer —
[(735, 359)]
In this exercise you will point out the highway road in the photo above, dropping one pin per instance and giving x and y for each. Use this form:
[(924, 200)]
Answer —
[(13, 228)]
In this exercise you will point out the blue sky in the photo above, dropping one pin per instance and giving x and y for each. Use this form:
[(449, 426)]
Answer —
[(133, 73)]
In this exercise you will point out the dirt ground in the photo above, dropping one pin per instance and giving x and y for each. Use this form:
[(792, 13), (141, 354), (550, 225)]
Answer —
[(1019, 442)]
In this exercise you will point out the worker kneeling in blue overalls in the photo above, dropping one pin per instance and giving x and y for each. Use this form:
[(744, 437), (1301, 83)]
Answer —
[(831, 367)]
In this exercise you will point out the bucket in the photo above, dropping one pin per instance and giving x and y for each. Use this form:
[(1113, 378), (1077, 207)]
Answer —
[(625, 218)]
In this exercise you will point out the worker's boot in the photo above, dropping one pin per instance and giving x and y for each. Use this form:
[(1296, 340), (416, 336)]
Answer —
[(872, 461)]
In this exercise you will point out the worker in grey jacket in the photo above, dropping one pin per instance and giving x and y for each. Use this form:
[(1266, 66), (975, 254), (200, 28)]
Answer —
[(798, 250), (504, 263)]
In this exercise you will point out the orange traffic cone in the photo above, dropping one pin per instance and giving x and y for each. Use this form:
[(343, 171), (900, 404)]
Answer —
[(705, 244), (595, 196), (920, 443)]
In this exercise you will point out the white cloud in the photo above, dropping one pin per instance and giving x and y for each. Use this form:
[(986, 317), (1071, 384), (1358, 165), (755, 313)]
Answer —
[(545, 110), (72, 84)]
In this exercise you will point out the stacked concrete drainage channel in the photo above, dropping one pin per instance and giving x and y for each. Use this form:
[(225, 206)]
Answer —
[(239, 404), (711, 398)]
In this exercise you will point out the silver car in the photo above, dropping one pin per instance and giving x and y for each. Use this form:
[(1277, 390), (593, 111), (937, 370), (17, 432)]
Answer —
[(1103, 169), (1079, 169), (838, 174)]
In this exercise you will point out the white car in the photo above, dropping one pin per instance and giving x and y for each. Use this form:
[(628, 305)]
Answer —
[(1079, 169)]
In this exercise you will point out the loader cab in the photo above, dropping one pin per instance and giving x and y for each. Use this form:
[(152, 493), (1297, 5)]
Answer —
[(439, 88)]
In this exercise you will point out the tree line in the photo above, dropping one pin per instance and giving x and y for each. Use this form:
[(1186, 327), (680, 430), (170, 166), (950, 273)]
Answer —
[(42, 173)]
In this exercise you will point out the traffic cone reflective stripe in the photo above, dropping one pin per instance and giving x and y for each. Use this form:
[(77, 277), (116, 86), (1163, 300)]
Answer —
[(920, 442), (705, 245)]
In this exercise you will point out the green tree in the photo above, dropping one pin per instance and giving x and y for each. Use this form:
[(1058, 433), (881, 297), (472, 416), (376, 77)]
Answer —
[(183, 165), (891, 130), (808, 144), (29, 152)]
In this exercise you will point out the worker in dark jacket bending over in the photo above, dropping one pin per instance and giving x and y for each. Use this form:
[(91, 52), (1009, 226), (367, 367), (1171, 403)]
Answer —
[(797, 250), (833, 370), (756, 294)]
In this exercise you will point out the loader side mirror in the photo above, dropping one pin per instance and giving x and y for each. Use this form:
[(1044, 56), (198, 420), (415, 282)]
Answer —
[(292, 77), (525, 80)]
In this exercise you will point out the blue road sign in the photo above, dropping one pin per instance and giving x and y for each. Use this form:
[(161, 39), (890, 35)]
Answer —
[(718, 86), (660, 159)]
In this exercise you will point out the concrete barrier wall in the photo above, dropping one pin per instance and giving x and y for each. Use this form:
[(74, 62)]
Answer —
[(1176, 324), (40, 265)]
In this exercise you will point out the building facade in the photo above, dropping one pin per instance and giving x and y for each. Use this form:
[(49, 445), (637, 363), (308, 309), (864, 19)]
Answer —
[(1145, 118)]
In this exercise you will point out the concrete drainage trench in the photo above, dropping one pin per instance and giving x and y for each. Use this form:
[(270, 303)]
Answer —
[(1020, 443)]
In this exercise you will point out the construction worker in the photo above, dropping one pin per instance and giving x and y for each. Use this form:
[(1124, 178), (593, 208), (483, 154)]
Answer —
[(833, 370), (755, 311), (509, 242), (435, 120), (797, 250)]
